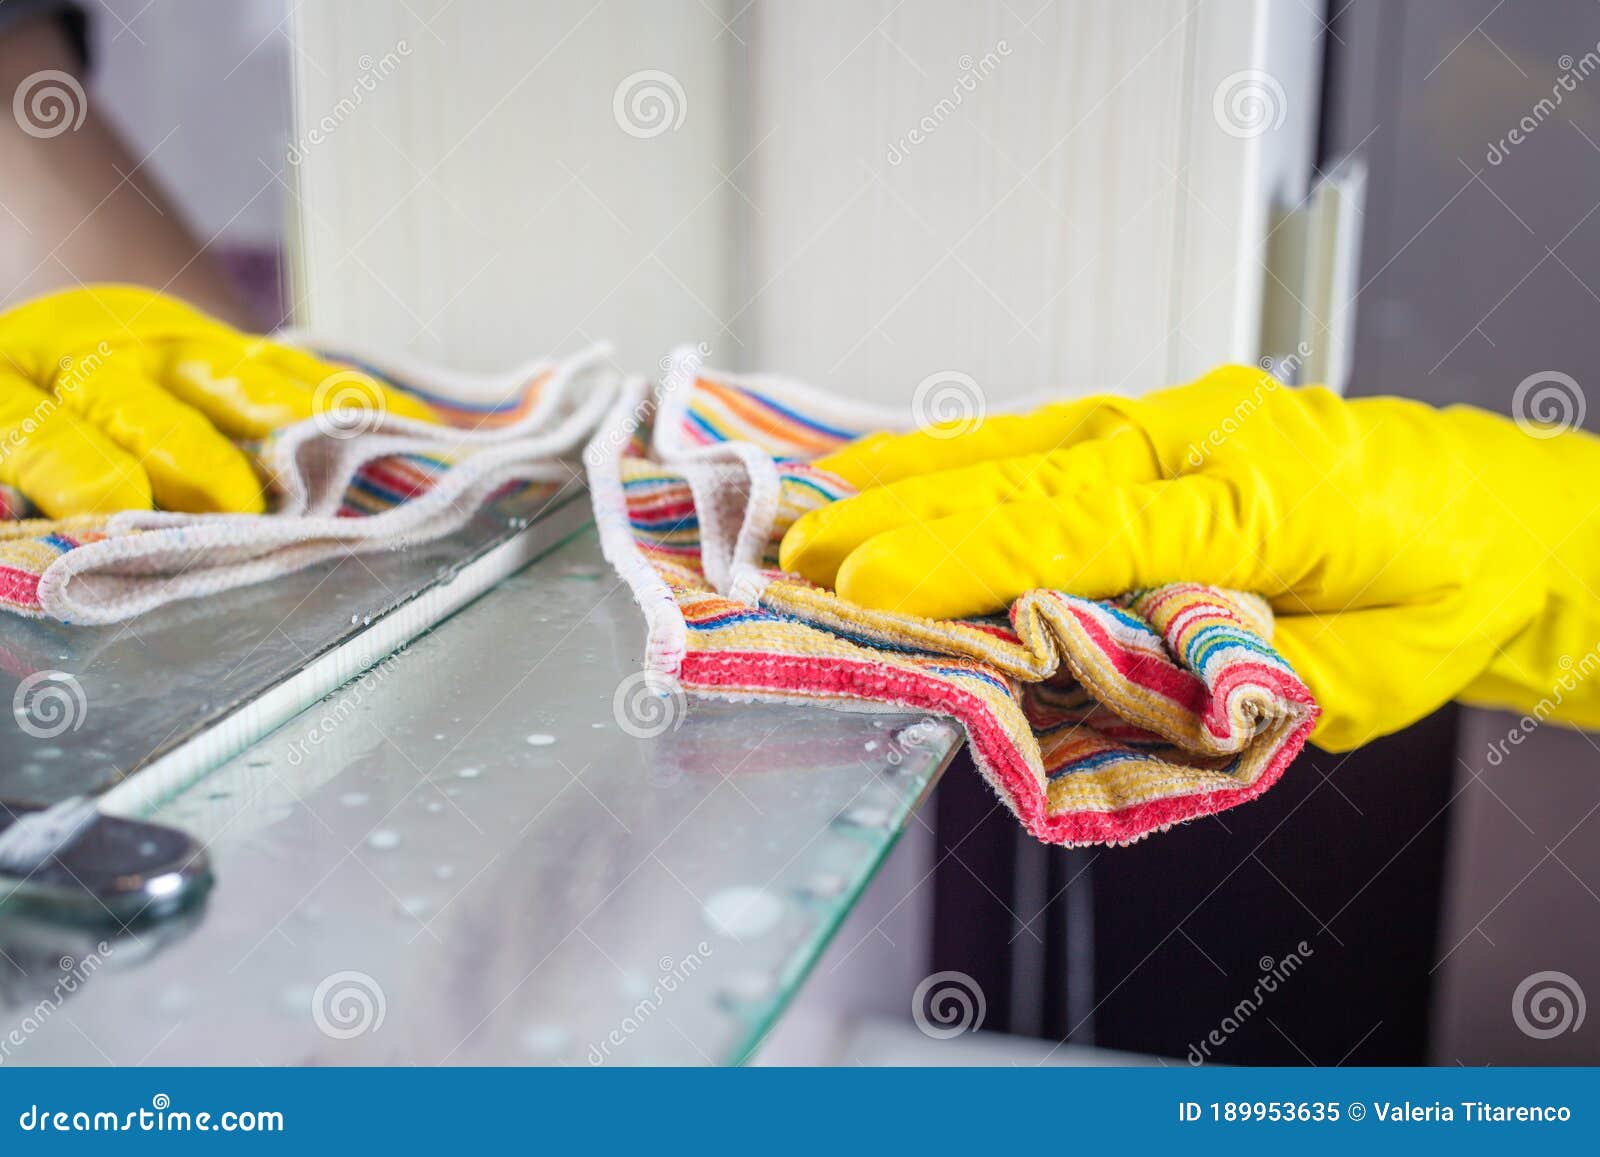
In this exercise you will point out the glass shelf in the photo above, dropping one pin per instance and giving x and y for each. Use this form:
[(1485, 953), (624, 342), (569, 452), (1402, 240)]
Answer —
[(473, 854), (145, 687)]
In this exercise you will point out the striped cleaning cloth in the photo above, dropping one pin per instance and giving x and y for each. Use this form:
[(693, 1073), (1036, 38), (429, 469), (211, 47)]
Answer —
[(336, 492), (1095, 722)]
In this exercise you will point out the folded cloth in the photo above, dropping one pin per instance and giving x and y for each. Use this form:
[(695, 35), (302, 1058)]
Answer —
[(1094, 722), (340, 488)]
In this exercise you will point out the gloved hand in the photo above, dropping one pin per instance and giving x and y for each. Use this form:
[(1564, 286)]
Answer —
[(1412, 555), (113, 397)]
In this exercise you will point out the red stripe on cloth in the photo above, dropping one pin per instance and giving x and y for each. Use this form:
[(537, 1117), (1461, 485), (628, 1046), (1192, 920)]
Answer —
[(1246, 674), (403, 478), (19, 586), (1178, 685), (993, 746), (660, 509)]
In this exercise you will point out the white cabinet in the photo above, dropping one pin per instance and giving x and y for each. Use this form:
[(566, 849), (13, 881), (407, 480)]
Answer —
[(1065, 198)]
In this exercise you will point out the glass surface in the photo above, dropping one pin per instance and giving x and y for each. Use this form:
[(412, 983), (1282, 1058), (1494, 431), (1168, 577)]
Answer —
[(497, 846), (137, 689)]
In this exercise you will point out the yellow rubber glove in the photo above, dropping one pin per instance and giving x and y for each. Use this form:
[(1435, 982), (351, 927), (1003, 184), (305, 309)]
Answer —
[(1413, 555), (114, 398)]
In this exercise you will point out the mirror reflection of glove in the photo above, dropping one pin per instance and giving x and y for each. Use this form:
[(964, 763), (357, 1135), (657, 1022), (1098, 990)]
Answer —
[(1412, 555), (117, 398)]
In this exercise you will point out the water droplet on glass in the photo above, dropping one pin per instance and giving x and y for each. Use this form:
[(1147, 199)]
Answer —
[(745, 988), (470, 772), (354, 798), (543, 1040), (444, 872), (383, 839), (540, 739), (825, 886), (868, 816), (174, 1000), (743, 912)]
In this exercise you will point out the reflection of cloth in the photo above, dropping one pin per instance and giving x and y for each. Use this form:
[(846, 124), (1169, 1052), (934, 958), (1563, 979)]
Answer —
[(1095, 722), (398, 481)]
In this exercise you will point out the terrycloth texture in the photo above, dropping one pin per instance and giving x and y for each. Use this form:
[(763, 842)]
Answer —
[(337, 492), (1095, 722)]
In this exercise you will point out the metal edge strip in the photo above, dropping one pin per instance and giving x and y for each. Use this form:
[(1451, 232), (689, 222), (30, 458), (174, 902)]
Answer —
[(202, 752)]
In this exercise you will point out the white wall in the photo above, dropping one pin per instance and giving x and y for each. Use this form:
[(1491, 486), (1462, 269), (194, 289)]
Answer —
[(482, 201)]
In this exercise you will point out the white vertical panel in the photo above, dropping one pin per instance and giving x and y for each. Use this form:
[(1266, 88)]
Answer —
[(466, 190), (861, 194), (1024, 238), (1253, 107), (1079, 220)]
